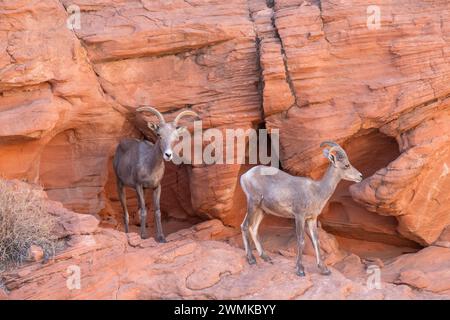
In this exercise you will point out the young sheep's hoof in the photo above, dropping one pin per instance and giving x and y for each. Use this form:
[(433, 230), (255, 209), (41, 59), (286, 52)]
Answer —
[(300, 273), (325, 271), (251, 260), (161, 239), (266, 258)]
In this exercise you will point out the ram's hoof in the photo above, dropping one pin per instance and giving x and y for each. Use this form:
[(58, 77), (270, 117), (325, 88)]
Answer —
[(251, 259), (300, 273)]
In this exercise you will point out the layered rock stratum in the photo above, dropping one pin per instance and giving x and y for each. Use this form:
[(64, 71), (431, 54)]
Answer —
[(313, 69)]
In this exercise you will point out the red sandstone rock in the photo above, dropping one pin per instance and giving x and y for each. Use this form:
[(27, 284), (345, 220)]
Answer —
[(102, 263), (74, 103), (429, 269), (3, 295), (184, 268), (35, 253), (58, 127), (315, 72), (350, 83), (444, 239)]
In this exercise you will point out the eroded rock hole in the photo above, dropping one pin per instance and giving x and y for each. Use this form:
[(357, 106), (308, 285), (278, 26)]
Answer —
[(357, 229)]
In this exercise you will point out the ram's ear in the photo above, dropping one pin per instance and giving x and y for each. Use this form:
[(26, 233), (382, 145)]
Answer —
[(153, 127), (182, 130)]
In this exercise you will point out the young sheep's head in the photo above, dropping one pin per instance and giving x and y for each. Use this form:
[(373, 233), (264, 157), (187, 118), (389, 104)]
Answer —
[(168, 133), (339, 159)]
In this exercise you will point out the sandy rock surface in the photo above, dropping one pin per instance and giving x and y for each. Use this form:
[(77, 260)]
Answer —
[(202, 263)]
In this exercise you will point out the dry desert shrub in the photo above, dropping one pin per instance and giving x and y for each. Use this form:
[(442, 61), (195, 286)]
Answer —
[(24, 222)]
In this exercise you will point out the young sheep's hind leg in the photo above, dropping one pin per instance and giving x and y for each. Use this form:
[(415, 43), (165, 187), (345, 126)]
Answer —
[(245, 226), (257, 218), (300, 233)]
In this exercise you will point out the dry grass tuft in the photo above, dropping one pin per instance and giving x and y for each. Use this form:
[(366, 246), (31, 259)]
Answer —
[(24, 221)]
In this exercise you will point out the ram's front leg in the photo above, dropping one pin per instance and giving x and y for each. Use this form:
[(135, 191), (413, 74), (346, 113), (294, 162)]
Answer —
[(159, 230), (142, 210)]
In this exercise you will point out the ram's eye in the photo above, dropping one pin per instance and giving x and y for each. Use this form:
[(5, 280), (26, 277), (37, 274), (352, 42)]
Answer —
[(347, 166)]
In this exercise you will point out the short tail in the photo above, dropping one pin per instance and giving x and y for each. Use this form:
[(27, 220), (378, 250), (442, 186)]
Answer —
[(242, 182)]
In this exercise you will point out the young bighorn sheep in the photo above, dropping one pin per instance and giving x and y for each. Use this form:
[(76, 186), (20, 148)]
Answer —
[(139, 164), (288, 196)]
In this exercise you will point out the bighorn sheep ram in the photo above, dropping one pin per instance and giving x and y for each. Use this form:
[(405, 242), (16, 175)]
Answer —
[(288, 196), (139, 164)]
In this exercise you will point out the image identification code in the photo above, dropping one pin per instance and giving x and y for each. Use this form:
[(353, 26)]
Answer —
[(227, 309)]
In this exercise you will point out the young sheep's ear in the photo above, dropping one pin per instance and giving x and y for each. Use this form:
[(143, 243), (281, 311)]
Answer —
[(330, 156), (332, 159)]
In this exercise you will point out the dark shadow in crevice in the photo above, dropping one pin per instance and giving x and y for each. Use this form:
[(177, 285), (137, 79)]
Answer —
[(368, 151)]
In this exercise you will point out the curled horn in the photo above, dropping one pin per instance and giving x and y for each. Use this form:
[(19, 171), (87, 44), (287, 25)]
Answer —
[(154, 111), (334, 147), (329, 143), (183, 114)]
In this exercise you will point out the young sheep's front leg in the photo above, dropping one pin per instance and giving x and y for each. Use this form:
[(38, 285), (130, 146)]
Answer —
[(300, 232), (312, 225), (159, 231)]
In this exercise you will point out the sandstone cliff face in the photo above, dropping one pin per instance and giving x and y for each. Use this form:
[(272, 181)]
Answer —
[(381, 93), (58, 126), (312, 69)]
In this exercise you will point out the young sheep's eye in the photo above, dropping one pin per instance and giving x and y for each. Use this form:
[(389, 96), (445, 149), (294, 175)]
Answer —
[(347, 166)]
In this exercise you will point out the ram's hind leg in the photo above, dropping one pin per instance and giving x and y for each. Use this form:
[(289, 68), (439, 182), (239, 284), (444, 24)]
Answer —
[(245, 227), (257, 218), (123, 202)]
